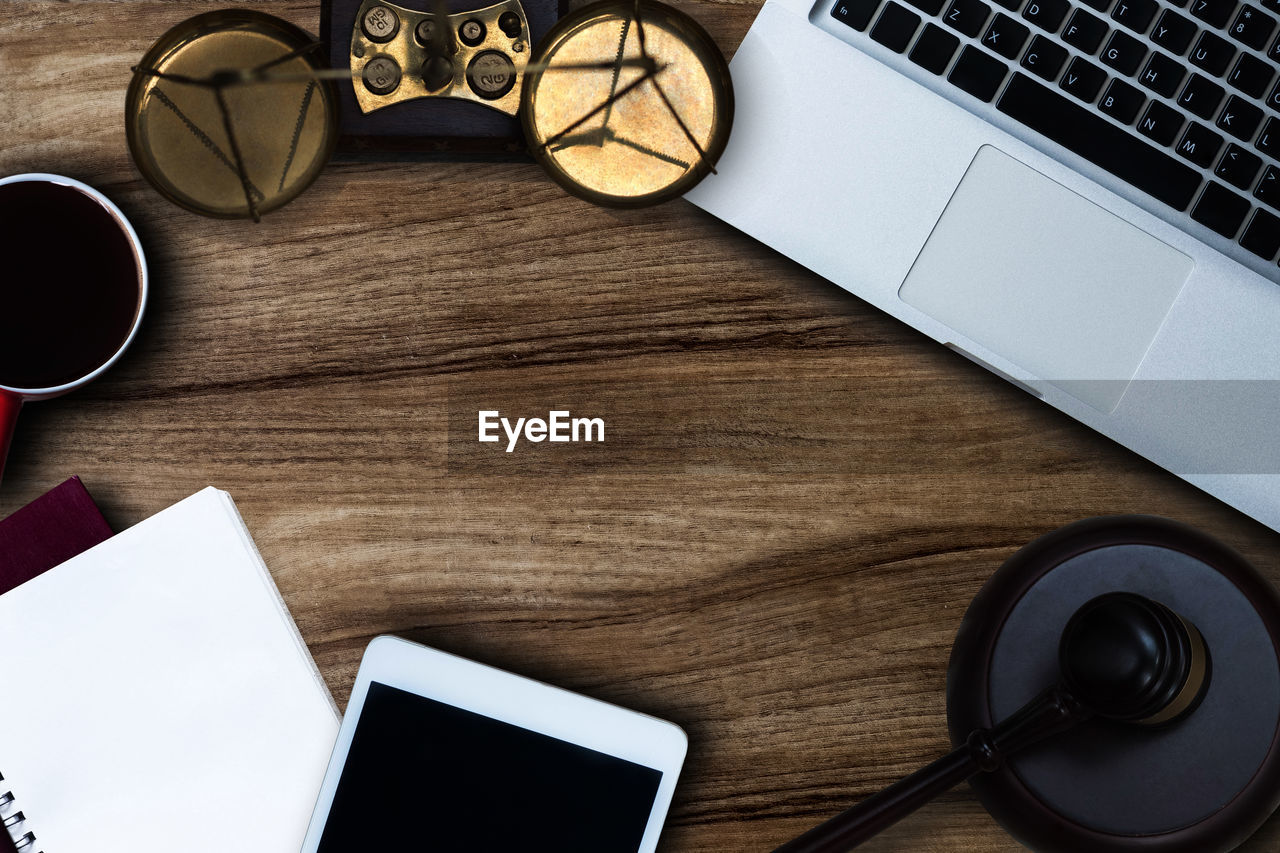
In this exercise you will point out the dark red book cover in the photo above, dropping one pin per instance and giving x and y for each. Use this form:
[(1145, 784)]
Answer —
[(50, 530)]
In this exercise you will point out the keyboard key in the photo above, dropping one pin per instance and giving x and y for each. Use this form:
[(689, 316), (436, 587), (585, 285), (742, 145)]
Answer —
[(1011, 5), (967, 16), (1262, 235), (1047, 14), (1162, 75), (855, 13), (1269, 140), (895, 27), (1005, 36), (1160, 123), (1213, 12), (1134, 14), (1084, 32), (1220, 210), (1252, 27), (1268, 189), (1239, 118), (1044, 58), (1122, 101), (1123, 53), (1251, 75), (1212, 53), (977, 73), (1100, 5), (1097, 140), (1238, 166), (1173, 32), (1201, 96), (934, 49), (1199, 144), (1273, 100), (929, 7), (1083, 79)]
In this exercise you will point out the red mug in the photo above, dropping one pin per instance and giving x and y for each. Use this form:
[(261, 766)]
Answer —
[(76, 288)]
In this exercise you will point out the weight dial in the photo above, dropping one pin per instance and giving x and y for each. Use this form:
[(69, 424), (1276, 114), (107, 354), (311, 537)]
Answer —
[(400, 54)]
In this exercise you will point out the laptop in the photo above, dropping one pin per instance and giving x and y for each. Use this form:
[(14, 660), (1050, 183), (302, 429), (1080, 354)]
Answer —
[(1082, 196)]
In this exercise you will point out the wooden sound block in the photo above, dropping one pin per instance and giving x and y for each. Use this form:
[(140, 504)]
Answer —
[(1201, 785)]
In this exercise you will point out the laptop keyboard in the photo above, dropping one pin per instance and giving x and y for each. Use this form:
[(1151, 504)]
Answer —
[(1178, 98)]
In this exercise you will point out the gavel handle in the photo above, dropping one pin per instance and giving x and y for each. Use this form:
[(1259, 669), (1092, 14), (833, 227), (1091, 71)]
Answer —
[(880, 811), (1050, 713)]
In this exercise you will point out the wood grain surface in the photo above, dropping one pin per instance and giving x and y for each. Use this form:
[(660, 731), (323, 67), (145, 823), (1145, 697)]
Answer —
[(796, 500)]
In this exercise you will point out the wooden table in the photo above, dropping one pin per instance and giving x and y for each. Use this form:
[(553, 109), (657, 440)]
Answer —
[(795, 501)]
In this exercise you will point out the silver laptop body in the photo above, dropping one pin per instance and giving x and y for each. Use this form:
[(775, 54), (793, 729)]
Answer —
[(990, 226)]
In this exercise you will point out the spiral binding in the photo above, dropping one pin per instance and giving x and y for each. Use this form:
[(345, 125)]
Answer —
[(14, 821)]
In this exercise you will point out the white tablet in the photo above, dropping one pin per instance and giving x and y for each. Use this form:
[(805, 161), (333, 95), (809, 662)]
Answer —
[(444, 754)]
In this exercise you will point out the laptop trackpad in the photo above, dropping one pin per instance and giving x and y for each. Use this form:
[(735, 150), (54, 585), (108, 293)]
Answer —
[(1046, 279)]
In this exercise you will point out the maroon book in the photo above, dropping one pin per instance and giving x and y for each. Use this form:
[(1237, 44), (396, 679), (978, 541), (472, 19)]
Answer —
[(50, 530)]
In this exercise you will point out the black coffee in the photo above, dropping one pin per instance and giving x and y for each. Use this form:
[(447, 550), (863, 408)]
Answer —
[(69, 284)]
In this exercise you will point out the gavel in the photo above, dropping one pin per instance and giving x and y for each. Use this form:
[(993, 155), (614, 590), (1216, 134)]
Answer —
[(1121, 657)]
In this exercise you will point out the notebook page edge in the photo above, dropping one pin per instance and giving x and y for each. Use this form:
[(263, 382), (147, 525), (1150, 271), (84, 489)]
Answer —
[(268, 581)]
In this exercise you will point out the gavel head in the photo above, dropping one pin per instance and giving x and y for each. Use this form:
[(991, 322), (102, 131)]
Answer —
[(1128, 658)]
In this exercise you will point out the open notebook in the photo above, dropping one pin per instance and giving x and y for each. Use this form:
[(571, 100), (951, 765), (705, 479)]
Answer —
[(158, 697)]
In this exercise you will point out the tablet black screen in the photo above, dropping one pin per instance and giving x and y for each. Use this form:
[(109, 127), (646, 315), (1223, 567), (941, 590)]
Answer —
[(423, 775)]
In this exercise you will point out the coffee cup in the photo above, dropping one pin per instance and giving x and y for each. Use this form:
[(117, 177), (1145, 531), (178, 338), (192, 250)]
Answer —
[(76, 288)]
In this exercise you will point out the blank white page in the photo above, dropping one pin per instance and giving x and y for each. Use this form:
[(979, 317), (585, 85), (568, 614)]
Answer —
[(158, 697)]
